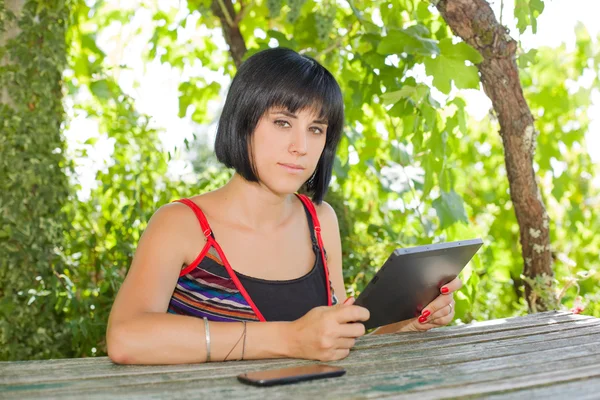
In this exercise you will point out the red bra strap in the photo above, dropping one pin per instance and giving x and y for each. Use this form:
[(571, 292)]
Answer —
[(199, 214), (313, 213)]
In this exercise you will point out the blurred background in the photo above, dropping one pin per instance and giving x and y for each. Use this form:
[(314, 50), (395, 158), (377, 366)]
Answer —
[(109, 110)]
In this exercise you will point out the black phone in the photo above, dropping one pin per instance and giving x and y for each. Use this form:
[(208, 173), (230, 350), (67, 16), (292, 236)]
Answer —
[(283, 376)]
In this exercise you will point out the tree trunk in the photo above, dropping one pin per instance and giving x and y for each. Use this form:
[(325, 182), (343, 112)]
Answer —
[(10, 31), (33, 183), (475, 23)]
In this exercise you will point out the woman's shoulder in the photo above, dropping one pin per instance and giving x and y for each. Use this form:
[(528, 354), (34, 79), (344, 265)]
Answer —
[(179, 216), (326, 214)]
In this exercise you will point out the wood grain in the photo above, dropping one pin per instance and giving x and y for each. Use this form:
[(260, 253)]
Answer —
[(545, 354)]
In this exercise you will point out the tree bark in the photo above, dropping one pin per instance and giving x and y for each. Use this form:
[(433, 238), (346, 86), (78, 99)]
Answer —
[(224, 10), (11, 30), (475, 23)]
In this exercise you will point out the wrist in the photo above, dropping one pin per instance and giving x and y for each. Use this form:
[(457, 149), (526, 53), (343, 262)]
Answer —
[(397, 327), (287, 342)]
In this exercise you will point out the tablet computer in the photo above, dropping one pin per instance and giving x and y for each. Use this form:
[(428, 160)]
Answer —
[(411, 278)]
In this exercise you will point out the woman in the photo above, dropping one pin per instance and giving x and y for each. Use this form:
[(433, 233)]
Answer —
[(210, 271)]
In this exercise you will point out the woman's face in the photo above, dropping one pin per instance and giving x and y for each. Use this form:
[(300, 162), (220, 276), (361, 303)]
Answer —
[(286, 148)]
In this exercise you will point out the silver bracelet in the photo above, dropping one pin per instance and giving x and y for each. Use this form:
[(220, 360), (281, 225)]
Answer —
[(207, 332)]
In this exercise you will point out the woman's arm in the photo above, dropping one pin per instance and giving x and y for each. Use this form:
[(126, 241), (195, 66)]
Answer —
[(139, 329)]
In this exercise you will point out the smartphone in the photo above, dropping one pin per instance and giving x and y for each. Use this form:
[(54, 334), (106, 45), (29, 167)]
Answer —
[(289, 375)]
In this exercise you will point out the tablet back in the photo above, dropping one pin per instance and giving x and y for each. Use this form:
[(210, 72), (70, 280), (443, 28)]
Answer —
[(411, 278)]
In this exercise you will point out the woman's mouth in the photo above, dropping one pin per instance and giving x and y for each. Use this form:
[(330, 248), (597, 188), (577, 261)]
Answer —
[(293, 168)]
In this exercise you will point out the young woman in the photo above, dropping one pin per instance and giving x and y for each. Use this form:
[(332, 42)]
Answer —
[(252, 270)]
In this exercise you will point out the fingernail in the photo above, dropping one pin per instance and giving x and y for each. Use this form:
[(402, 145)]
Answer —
[(422, 319), (426, 313), (347, 300), (445, 290)]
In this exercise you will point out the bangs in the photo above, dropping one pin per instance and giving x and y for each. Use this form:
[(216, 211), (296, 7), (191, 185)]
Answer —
[(314, 93), (295, 83)]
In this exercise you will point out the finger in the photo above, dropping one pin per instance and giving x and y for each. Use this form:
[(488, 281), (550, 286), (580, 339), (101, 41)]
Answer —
[(345, 343), (444, 312), (417, 326), (352, 330), (443, 321), (436, 305), (339, 354), (451, 286), (349, 301), (352, 313)]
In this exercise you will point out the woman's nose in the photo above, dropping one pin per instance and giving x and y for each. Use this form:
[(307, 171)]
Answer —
[(299, 143)]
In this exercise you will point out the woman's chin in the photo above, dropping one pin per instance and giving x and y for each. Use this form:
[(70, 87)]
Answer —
[(284, 188)]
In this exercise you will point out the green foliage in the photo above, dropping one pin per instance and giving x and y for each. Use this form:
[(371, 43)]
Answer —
[(527, 12), (33, 184), (412, 168)]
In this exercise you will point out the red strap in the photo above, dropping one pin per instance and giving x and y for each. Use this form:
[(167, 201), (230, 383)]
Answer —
[(199, 214), (210, 242), (313, 213)]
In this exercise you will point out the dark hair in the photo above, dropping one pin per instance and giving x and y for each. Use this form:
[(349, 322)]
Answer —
[(279, 77)]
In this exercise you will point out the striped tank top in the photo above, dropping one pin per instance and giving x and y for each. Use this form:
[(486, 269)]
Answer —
[(209, 287)]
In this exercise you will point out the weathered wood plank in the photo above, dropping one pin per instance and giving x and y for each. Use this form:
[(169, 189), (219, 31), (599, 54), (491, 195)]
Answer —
[(18, 375), (452, 361), (372, 370), (74, 366), (589, 389), (409, 381), (546, 378)]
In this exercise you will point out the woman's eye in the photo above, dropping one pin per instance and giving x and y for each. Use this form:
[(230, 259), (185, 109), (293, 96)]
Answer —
[(282, 123), (316, 130)]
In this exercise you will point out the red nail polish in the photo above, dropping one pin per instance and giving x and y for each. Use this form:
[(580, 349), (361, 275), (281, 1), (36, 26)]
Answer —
[(445, 290), (347, 300), (426, 313), (422, 319)]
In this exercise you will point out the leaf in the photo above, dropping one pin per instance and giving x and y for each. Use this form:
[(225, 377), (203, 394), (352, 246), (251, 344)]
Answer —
[(450, 209), (459, 51), (394, 97), (527, 12), (407, 41), (445, 70), (101, 89)]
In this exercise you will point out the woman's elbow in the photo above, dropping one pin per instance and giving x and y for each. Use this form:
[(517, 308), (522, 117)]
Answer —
[(116, 346)]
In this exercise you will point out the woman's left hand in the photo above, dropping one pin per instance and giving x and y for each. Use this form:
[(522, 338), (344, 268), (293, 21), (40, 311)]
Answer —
[(439, 312)]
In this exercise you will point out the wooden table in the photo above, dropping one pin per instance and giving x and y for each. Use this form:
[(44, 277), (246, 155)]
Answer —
[(546, 355)]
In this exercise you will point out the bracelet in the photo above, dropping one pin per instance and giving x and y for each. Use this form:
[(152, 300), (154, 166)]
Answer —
[(236, 343), (244, 345), (207, 332)]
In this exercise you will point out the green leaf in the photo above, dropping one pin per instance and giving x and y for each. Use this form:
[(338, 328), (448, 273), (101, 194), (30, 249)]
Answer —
[(407, 41), (445, 70), (450, 209), (527, 12), (459, 51), (101, 89)]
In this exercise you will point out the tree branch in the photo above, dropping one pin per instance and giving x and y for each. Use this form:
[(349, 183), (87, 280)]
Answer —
[(475, 23), (224, 10)]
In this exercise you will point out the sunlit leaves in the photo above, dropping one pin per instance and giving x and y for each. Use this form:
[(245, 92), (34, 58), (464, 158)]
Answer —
[(412, 40), (450, 66), (449, 208), (527, 12)]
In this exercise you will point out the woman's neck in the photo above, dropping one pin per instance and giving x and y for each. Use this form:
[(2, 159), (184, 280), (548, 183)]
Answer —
[(252, 205)]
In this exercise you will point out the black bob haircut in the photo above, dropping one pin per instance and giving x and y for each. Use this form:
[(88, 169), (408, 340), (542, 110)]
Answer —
[(279, 77)]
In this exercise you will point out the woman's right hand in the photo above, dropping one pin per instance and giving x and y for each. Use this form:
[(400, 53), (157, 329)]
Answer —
[(327, 333)]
